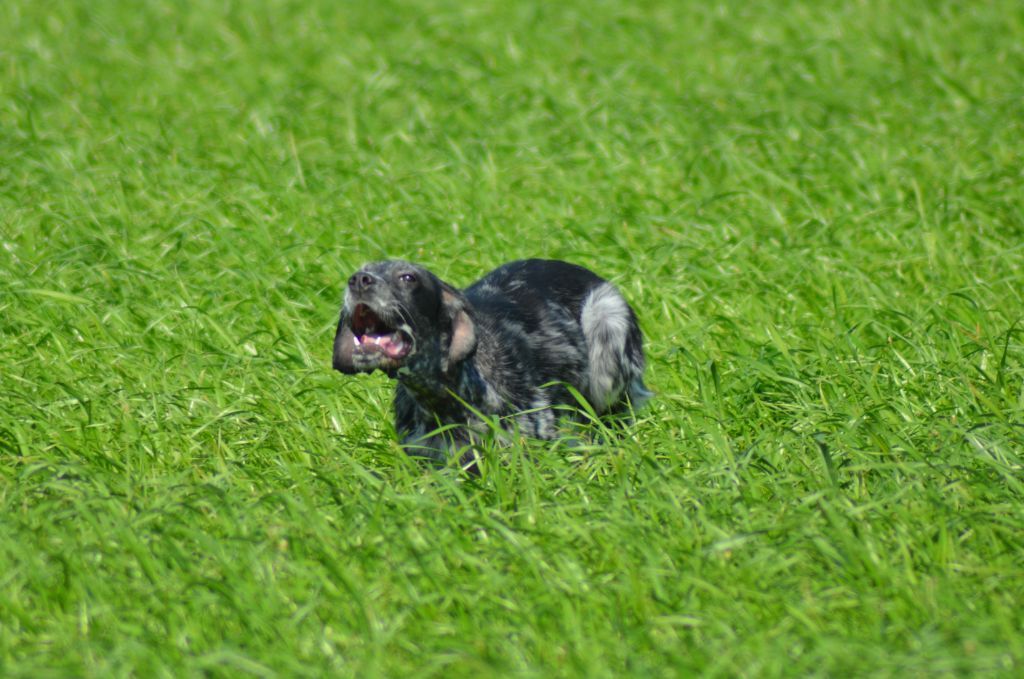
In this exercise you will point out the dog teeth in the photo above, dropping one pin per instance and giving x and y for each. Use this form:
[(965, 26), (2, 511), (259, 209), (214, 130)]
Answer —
[(391, 345)]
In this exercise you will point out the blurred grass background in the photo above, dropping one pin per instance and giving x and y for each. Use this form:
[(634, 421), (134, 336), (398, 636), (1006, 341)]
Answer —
[(816, 209)]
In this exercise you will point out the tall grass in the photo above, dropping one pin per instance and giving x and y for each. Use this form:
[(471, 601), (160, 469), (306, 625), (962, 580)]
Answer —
[(816, 209)]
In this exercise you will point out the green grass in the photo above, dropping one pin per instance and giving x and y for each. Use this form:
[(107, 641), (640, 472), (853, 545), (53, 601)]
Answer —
[(817, 208)]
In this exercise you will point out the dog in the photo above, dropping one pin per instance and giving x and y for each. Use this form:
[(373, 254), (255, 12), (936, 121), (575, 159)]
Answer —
[(510, 345)]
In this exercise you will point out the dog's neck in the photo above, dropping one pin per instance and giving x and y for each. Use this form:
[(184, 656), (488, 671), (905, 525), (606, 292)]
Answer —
[(445, 394)]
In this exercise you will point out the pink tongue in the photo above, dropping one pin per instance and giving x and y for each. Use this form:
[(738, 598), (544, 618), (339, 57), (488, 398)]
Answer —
[(386, 343)]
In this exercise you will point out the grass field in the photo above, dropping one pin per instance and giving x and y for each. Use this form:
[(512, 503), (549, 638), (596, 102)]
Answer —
[(817, 208)]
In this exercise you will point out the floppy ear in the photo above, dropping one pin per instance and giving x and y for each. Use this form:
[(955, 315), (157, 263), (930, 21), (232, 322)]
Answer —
[(462, 341), (343, 344)]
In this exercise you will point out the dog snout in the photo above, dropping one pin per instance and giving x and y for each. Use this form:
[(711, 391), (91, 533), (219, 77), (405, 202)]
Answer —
[(361, 281)]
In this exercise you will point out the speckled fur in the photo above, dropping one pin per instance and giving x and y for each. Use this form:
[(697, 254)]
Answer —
[(507, 346)]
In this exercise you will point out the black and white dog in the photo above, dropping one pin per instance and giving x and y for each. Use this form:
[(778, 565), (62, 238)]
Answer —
[(508, 345)]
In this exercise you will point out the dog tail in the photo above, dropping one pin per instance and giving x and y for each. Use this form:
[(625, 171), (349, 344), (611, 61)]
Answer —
[(615, 351)]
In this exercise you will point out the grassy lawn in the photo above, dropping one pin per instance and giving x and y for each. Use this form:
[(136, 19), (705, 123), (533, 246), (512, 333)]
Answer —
[(817, 209)]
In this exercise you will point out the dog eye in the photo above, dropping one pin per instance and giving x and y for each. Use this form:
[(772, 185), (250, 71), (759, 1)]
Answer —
[(407, 278)]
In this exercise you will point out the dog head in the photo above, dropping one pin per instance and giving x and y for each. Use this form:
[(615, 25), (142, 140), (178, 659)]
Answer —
[(399, 314)]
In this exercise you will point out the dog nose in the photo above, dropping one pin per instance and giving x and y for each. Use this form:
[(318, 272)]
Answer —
[(361, 281)]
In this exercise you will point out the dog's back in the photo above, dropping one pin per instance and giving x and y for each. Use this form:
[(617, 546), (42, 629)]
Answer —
[(560, 322)]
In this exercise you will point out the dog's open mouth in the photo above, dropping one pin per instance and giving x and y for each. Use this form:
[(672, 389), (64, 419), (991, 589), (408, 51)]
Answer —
[(373, 337)]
